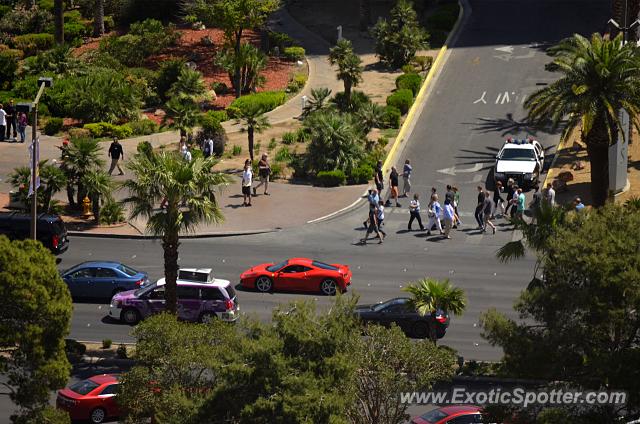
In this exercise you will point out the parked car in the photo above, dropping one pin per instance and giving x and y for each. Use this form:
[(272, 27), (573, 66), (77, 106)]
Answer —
[(398, 311), (521, 160), (454, 414), (93, 399), (201, 298), (298, 274), (102, 279), (50, 229)]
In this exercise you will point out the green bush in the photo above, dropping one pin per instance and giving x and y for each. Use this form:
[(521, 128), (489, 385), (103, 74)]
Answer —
[(104, 129), (121, 351), (237, 150), (144, 39), (361, 175), (109, 23), (23, 20), (283, 155), (402, 99), (357, 101), (122, 131), (8, 67), (408, 69), (97, 129), (288, 138), (53, 126), (331, 178), (168, 75), (293, 53), (297, 83), (266, 100), (144, 127), (111, 213), (412, 82), (392, 116), (423, 62), (279, 40), (4, 9), (276, 170), (106, 343), (76, 133), (272, 144), (31, 44), (219, 87), (302, 135)]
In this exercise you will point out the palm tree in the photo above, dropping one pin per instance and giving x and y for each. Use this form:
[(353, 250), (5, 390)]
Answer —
[(253, 121), (430, 295), (349, 66), (182, 114), (82, 156), (189, 84), (52, 180), (99, 187), (371, 115), (98, 19), (318, 101), (186, 188), (599, 78), (58, 21)]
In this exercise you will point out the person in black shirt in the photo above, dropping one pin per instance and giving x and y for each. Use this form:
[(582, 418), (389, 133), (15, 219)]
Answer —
[(379, 178), (480, 208), (115, 153), (12, 119), (393, 182)]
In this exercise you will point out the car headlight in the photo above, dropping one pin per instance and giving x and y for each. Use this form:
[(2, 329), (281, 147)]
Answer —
[(528, 176)]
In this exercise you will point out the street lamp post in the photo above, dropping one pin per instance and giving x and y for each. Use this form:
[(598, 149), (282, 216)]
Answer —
[(35, 148)]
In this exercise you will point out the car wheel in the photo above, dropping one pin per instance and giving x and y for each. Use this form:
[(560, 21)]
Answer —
[(98, 415), (420, 330), (329, 287), (129, 316), (207, 317), (264, 284)]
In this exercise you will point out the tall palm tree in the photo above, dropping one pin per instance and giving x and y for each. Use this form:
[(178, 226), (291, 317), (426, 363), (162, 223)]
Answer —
[(430, 295), (81, 157), (599, 78), (349, 66), (98, 19), (58, 21), (99, 187), (187, 189), (253, 121)]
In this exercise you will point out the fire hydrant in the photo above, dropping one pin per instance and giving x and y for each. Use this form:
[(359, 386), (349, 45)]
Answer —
[(86, 207)]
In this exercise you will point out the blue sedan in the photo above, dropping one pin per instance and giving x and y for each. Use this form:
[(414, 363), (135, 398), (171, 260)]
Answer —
[(102, 279)]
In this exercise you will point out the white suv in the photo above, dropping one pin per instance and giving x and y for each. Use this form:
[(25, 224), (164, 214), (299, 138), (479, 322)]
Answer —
[(521, 160)]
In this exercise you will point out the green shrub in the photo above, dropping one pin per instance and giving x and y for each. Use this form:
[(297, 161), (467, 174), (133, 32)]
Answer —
[(402, 99), (233, 112), (361, 175), (23, 20), (237, 150), (76, 133), (283, 155), (302, 135), (331, 178), (167, 75), (266, 100), (31, 44), (279, 40), (122, 131), (53, 126), (104, 129), (297, 83), (276, 170), (8, 67), (423, 62), (219, 87), (144, 127), (109, 23), (111, 213), (121, 351), (358, 99), (392, 117), (106, 343), (383, 141), (4, 9), (76, 30), (144, 39), (412, 82), (408, 69), (288, 138), (272, 144), (97, 129), (293, 53)]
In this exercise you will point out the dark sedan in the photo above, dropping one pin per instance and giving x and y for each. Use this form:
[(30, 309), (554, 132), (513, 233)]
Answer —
[(398, 311), (102, 279)]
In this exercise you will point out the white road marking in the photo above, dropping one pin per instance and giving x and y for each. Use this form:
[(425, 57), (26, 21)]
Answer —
[(453, 170), (506, 49)]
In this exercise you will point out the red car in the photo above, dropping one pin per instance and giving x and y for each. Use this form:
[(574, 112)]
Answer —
[(455, 414), (93, 399), (298, 274)]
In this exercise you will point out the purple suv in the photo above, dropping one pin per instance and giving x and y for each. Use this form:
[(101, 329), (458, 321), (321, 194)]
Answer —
[(201, 298)]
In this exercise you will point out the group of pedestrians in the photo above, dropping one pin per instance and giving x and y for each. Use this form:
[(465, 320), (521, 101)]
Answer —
[(11, 119), (264, 172), (437, 213)]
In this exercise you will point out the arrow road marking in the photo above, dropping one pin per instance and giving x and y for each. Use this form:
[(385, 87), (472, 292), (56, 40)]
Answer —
[(506, 49), (453, 170)]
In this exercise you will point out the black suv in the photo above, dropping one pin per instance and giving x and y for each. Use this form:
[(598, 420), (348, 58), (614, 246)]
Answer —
[(50, 229)]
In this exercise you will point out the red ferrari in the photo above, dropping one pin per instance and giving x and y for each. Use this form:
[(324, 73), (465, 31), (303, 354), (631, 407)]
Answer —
[(298, 274), (454, 414), (93, 399)]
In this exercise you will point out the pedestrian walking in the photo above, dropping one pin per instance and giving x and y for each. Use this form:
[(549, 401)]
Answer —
[(3, 122), (514, 200), (536, 203), (115, 153), (520, 200), (207, 148), (379, 177), (406, 177), (374, 202), (449, 217), (509, 190), (434, 212), (498, 201), (393, 183), (487, 211), (247, 180), (550, 195), (264, 171), (414, 212), (380, 216), (479, 209), (456, 202), (12, 119), (374, 199), (22, 126)]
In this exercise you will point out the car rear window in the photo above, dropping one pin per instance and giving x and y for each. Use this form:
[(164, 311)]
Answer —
[(322, 265), (275, 267), (230, 291), (58, 226), (129, 271), (433, 416), (200, 277), (84, 387)]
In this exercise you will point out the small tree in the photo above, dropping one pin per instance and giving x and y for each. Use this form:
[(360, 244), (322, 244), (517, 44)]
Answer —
[(35, 311), (253, 121), (398, 41), (52, 180), (243, 66), (429, 296), (319, 100), (189, 84), (81, 157), (181, 114), (99, 187), (349, 66)]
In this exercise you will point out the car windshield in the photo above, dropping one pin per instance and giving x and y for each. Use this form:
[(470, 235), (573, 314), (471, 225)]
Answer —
[(322, 265), (433, 416), (276, 267), (518, 154), (145, 289), (83, 387), (129, 271)]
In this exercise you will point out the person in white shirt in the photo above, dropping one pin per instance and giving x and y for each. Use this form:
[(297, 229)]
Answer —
[(550, 195), (3, 122), (434, 212), (187, 155), (247, 180), (449, 216)]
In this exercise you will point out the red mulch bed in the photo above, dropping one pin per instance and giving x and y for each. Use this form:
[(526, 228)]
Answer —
[(190, 46)]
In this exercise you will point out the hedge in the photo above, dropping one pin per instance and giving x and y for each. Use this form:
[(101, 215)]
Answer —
[(361, 175), (31, 44), (294, 53), (331, 178), (267, 100), (392, 117), (103, 129), (53, 126), (402, 99), (411, 82), (144, 127)]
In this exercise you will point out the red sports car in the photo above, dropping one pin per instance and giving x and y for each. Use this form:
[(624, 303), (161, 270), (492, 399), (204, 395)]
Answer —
[(93, 399), (298, 274), (454, 414)]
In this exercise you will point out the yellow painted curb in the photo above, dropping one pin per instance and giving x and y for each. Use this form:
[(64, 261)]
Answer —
[(549, 177), (418, 100)]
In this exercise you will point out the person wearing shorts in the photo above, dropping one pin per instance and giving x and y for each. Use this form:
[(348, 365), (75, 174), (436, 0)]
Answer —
[(264, 171), (393, 182), (247, 179)]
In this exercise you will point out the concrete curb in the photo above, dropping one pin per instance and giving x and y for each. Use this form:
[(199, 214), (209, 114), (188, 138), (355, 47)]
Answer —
[(346, 209), (549, 177), (183, 237)]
